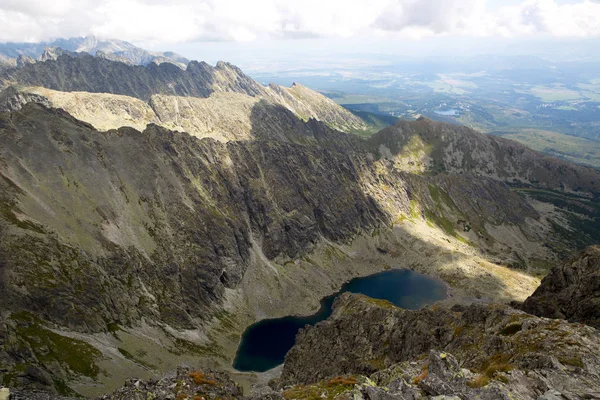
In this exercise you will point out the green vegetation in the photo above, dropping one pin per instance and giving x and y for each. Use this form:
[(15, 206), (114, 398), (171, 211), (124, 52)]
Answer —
[(380, 302), (554, 92), (572, 148), (435, 217), (49, 347), (376, 122), (572, 361), (212, 349)]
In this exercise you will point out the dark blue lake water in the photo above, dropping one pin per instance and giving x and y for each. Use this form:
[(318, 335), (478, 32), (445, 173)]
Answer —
[(265, 343)]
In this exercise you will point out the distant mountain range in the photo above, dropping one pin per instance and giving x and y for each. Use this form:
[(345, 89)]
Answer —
[(117, 50)]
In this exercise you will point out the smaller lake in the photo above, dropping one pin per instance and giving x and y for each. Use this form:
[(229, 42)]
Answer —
[(452, 112), (265, 343)]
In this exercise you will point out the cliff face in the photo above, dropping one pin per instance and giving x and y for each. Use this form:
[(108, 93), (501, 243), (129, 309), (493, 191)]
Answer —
[(570, 291), (128, 202), (481, 351)]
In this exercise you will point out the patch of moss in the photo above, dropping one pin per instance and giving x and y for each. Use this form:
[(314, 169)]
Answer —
[(511, 329), (380, 302), (441, 221), (49, 346), (572, 361)]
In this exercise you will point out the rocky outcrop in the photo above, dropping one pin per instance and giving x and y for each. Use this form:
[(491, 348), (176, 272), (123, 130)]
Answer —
[(137, 200), (12, 99), (425, 146), (102, 110), (570, 291), (478, 351), (185, 384)]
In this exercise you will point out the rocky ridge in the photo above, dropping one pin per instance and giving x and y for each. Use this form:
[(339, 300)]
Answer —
[(86, 87), (426, 146), (570, 291)]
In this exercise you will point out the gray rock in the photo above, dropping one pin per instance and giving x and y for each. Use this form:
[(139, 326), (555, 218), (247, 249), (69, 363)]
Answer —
[(508, 363), (551, 395), (570, 291)]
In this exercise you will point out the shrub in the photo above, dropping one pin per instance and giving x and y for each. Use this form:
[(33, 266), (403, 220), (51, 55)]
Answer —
[(340, 380)]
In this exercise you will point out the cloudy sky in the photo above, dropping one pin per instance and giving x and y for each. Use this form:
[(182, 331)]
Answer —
[(193, 25), (179, 21)]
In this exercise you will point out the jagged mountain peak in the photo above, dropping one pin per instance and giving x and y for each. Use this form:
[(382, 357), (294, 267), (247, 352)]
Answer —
[(110, 48)]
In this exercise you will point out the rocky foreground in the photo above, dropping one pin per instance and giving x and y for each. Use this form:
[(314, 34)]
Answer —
[(479, 352), (371, 349)]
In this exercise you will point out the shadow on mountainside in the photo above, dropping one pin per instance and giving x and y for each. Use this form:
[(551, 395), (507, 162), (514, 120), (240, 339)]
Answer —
[(328, 181)]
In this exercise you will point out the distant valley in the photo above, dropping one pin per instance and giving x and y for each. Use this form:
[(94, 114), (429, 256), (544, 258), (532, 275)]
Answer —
[(550, 106)]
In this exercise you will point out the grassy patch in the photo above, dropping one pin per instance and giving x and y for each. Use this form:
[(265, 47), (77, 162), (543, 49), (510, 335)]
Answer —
[(572, 361), (184, 346), (491, 367), (48, 347), (380, 302), (572, 148)]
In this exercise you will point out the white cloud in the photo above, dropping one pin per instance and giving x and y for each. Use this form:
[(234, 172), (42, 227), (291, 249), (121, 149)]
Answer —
[(177, 21)]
